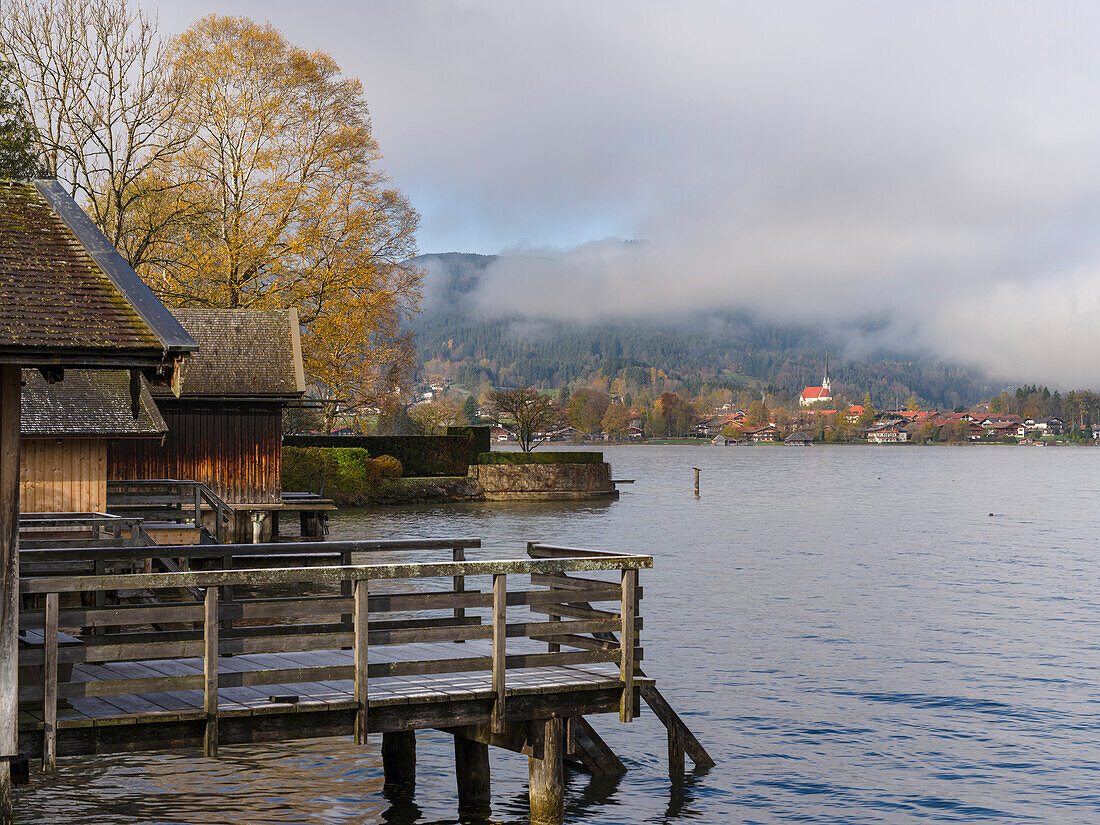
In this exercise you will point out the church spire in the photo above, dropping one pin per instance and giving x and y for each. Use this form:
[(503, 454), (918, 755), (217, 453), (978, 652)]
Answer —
[(825, 383)]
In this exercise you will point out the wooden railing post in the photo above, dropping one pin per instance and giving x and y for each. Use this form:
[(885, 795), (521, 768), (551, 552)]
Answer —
[(500, 594), (362, 627), (459, 554), (626, 646), (210, 671), (347, 590), (198, 506), (49, 686)]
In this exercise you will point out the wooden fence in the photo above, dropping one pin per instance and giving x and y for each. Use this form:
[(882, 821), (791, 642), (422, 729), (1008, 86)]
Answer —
[(322, 608)]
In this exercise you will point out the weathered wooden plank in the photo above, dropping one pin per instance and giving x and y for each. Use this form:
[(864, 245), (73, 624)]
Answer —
[(210, 673), (626, 646), (322, 575), (499, 657), (594, 753), (362, 671), (9, 578), (670, 719), (49, 698)]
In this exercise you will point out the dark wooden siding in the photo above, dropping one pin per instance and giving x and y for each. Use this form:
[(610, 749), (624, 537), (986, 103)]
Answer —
[(235, 448)]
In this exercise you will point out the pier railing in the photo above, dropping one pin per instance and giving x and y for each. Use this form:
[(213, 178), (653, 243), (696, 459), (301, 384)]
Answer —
[(347, 609), (170, 500)]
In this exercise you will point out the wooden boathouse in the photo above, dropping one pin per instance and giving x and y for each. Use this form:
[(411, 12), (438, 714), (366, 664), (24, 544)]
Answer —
[(66, 427), (225, 426), (69, 302)]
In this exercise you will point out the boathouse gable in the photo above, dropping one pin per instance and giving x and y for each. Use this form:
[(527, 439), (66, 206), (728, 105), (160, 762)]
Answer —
[(65, 428), (225, 428)]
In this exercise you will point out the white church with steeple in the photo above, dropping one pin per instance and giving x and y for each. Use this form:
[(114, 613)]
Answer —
[(818, 395)]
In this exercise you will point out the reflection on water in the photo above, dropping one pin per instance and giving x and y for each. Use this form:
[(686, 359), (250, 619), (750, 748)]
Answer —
[(850, 631)]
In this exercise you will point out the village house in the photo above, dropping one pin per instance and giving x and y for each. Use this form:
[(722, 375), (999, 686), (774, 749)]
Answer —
[(798, 439), (888, 433), (1051, 425), (762, 435)]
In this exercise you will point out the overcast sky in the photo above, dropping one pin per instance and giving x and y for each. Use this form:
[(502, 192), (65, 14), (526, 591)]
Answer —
[(934, 165)]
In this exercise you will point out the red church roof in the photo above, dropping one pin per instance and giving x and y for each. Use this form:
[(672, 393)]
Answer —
[(816, 393)]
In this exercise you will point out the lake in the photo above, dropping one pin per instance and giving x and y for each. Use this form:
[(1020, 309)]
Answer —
[(857, 635)]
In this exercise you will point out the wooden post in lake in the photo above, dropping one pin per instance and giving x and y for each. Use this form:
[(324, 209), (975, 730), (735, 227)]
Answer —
[(210, 672), (499, 656), (546, 783), (9, 581), (472, 777), (399, 760), (362, 628), (696, 469)]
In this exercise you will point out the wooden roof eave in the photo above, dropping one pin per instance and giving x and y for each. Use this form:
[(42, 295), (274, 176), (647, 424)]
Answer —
[(175, 340)]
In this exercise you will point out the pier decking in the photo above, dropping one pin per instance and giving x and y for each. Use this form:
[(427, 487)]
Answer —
[(510, 652)]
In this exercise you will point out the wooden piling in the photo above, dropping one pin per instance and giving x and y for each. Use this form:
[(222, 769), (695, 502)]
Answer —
[(626, 645), (399, 759), (472, 777), (500, 596), (9, 581), (49, 686), (547, 785), (210, 672), (362, 587), (696, 469)]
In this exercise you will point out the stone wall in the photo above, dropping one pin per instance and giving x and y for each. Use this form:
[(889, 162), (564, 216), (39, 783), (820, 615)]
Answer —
[(545, 482)]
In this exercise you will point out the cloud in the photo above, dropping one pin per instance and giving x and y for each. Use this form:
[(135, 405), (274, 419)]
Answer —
[(932, 166)]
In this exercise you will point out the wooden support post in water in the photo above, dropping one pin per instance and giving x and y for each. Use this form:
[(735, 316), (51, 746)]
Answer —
[(9, 580), (362, 588), (459, 554), (399, 759), (472, 776), (675, 755), (49, 686), (626, 645), (500, 594), (697, 471), (210, 671), (547, 785)]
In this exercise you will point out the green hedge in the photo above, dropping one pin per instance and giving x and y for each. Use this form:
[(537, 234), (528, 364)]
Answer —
[(351, 476), (420, 455), (541, 458)]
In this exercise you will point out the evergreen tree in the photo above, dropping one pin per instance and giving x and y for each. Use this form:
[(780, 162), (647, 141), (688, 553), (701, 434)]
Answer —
[(469, 409), (18, 155)]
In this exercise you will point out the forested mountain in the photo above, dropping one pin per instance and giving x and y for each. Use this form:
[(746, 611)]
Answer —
[(695, 353)]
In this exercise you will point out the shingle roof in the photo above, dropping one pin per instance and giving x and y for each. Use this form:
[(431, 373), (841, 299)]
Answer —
[(244, 353), (68, 296), (90, 403)]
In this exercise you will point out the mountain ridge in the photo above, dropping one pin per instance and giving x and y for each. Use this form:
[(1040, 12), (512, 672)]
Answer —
[(705, 349)]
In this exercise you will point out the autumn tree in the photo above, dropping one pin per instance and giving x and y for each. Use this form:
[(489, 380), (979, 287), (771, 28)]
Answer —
[(586, 409), (529, 416), (676, 412), (284, 204), (99, 88), (436, 414), (616, 421), (758, 415)]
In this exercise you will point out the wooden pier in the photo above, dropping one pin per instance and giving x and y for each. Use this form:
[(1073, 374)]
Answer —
[(512, 652)]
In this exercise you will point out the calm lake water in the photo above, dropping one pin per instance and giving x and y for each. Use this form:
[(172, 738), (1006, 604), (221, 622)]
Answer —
[(857, 635)]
